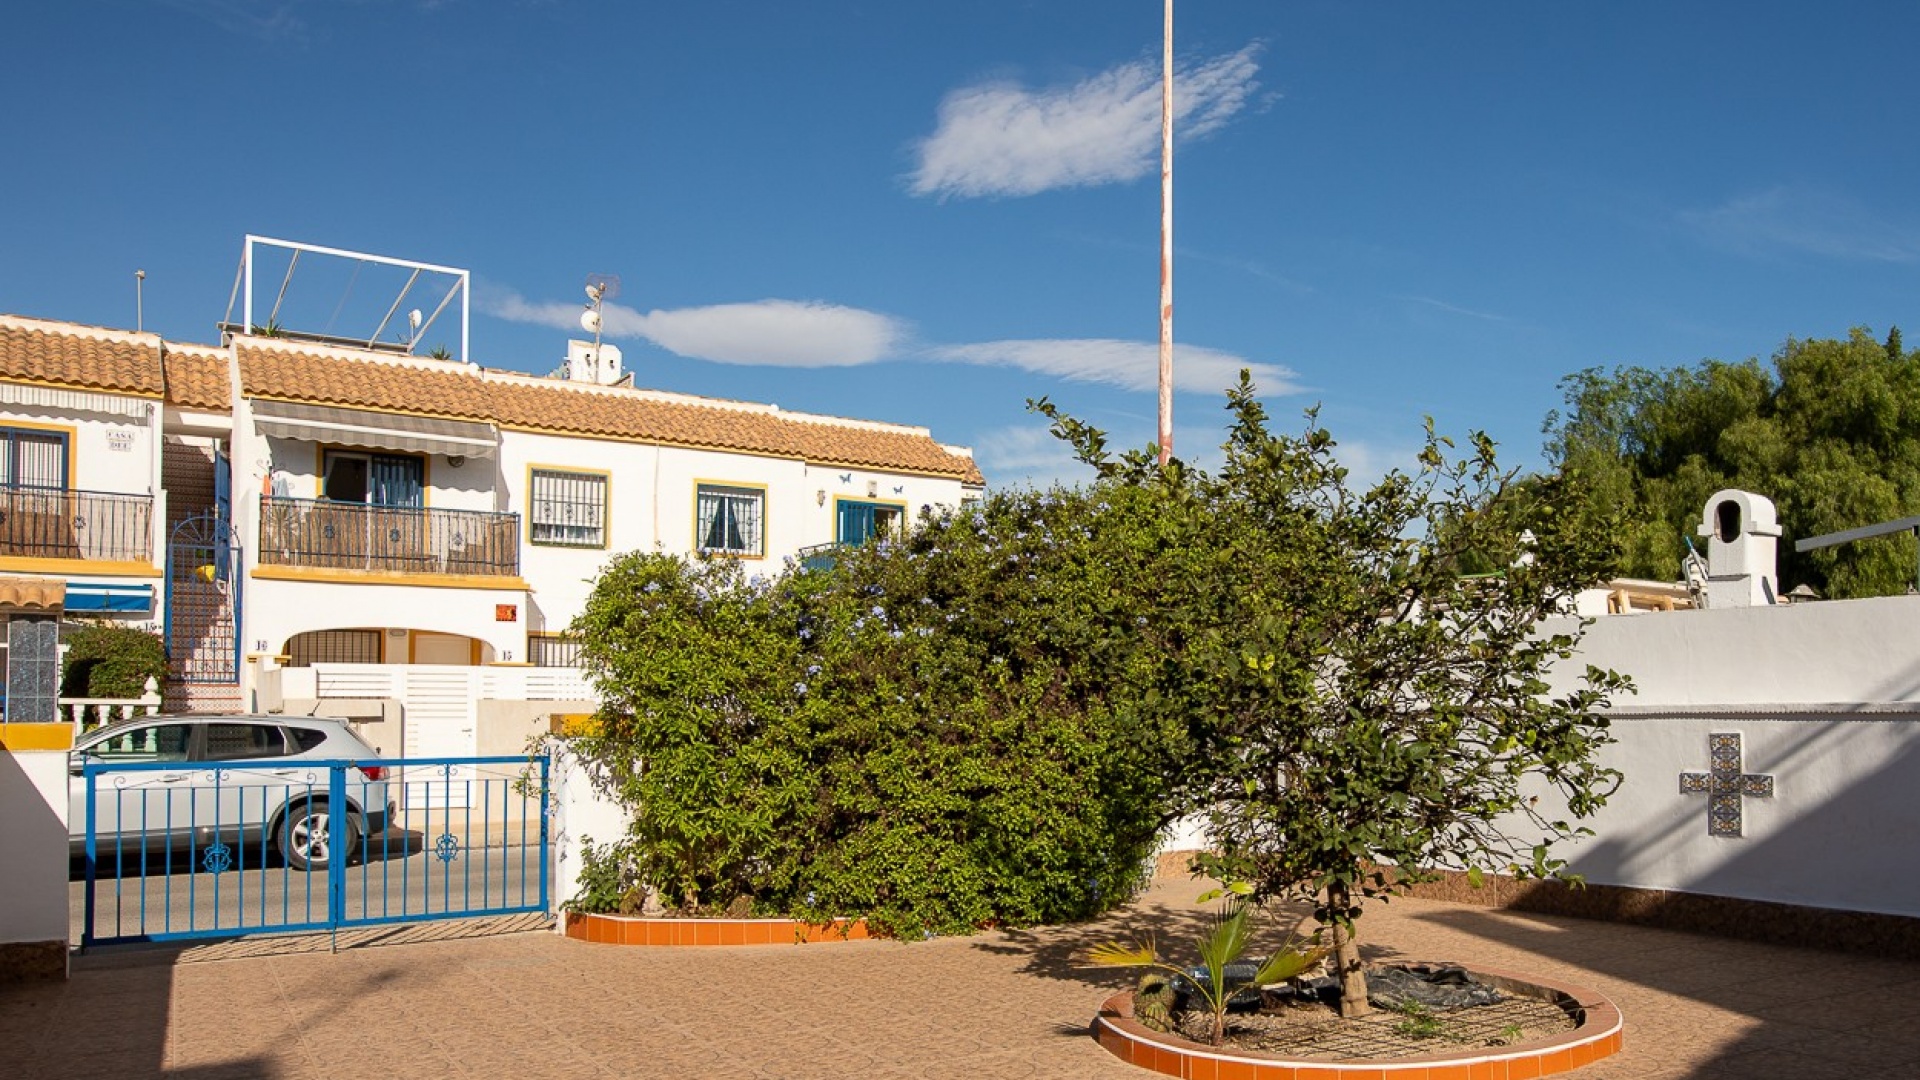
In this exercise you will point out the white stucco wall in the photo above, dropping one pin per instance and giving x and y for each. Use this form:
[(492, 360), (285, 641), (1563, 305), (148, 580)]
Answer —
[(578, 812), (1826, 700), (33, 845), (277, 610), (651, 492)]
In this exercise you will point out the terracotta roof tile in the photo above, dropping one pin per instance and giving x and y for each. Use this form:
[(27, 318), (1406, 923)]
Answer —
[(428, 387), (80, 357), (197, 377), (457, 391)]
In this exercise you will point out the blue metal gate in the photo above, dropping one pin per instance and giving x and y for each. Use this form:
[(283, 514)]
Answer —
[(216, 849), (203, 601)]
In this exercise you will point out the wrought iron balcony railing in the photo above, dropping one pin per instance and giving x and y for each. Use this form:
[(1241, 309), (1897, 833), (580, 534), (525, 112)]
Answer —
[(53, 523), (330, 535)]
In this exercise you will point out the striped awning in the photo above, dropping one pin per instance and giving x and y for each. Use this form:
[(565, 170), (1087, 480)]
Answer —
[(32, 594), (108, 596), (87, 401), (376, 430)]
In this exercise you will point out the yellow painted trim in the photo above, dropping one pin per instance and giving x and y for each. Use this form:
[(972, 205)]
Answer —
[(283, 659), (730, 485), (72, 434), (900, 506), (18, 737), (606, 505), (374, 577), (636, 440), (88, 567)]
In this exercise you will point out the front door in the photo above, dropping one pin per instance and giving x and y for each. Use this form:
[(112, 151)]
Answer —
[(861, 521), (442, 649)]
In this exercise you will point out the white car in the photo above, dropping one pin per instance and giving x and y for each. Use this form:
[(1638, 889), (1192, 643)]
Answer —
[(266, 796)]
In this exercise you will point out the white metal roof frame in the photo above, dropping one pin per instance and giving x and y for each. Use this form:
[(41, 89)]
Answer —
[(462, 285)]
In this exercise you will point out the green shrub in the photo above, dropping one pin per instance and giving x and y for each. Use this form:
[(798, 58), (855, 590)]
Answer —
[(104, 660), (977, 726)]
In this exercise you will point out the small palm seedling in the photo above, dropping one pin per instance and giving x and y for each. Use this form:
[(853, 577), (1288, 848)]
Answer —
[(1219, 947)]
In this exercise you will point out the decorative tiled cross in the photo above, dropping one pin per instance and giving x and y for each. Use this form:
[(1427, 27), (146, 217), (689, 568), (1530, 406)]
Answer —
[(1725, 785)]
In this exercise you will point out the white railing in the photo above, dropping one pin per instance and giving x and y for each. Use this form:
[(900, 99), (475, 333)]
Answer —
[(85, 714), (366, 681)]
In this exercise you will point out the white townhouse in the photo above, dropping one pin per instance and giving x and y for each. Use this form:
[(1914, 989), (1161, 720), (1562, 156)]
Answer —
[(81, 500), (286, 508)]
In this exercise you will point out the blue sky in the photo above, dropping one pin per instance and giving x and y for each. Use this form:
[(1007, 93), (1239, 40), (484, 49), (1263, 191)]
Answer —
[(930, 212)]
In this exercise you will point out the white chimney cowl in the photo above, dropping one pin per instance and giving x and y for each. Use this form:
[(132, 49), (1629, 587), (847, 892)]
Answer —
[(1743, 538)]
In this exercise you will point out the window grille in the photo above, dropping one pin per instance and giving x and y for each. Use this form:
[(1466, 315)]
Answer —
[(553, 650), (729, 520), (334, 647), (568, 509), (36, 459)]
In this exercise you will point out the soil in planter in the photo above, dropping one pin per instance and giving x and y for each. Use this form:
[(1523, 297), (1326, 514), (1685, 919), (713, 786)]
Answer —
[(1293, 1027)]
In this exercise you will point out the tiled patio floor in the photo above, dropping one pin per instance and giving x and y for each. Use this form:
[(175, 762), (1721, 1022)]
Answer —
[(445, 1000)]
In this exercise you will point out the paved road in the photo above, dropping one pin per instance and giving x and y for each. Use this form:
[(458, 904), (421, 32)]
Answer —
[(404, 875)]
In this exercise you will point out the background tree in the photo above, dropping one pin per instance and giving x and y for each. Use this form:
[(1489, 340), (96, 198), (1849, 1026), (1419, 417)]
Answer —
[(1829, 430), (1368, 706)]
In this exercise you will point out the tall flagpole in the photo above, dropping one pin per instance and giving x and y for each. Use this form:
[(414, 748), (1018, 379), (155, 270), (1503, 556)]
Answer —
[(1166, 245)]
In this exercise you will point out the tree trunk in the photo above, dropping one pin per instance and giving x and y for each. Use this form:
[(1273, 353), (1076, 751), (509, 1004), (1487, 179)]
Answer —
[(1346, 956)]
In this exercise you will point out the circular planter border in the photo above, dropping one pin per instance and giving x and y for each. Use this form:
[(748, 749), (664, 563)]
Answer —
[(642, 930), (1596, 1035)]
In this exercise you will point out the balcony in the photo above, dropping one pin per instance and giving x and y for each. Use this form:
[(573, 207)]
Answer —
[(53, 523), (325, 535)]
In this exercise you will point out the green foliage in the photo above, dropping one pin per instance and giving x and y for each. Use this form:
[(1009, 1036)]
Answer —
[(1364, 704), (975, 726), (606, 879), (1417, 1022), (105, 660), (990, 721), (1830, 431), (1224, 942)]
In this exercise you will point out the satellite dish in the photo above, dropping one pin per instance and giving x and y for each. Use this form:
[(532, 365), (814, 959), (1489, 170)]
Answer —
[(590, 321), (602, 287), (413, 319)]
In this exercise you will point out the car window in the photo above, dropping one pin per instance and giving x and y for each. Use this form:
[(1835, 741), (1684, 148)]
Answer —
[(307, 738), (236, 742), (153, 742)]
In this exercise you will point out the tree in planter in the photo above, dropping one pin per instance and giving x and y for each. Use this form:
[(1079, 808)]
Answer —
[(1374, 712)]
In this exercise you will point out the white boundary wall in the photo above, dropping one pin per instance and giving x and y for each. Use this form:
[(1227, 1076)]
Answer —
[(33, 847), (1826, 700)]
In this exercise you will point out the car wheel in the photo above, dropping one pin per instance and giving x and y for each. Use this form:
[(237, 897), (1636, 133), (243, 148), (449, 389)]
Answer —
[(311, 836)]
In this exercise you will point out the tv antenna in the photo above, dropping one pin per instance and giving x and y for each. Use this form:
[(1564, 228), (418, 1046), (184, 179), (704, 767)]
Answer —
[(600, 289)]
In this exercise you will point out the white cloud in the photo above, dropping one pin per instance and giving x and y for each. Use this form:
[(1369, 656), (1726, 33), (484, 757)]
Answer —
[(1805, 221), (1130, 365), (1028, 456), (773, 333), (797, 334), (998, 138)]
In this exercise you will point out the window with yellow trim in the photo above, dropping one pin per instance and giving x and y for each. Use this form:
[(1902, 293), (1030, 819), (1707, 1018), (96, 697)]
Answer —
[(729, 520), (568, 509), (33, 459)]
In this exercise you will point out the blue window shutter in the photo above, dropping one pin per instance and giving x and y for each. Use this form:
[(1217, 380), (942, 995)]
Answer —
[(222, 485), (396, 481)]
